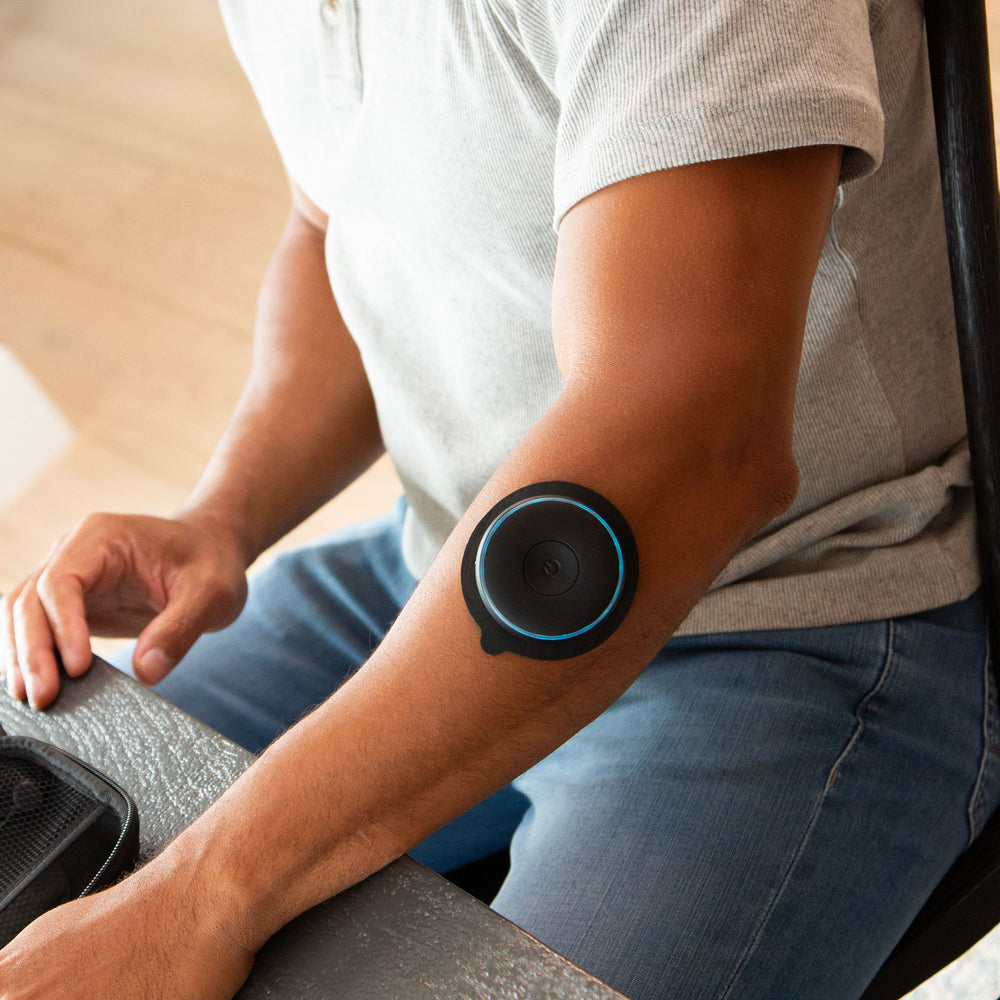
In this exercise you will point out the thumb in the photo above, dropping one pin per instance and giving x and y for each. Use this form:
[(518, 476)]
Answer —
[(166, 639)]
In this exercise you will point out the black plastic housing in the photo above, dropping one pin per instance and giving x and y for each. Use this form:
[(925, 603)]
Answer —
[(65, 831)]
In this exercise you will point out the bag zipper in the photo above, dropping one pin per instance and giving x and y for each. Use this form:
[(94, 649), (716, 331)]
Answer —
[(126, 823), (130, 811)]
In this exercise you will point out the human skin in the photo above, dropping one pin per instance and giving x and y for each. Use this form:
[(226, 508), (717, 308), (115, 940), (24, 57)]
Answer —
[(679, 304)]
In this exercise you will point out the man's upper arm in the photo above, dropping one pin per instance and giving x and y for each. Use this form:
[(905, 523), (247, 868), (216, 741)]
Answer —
[(683, 293)]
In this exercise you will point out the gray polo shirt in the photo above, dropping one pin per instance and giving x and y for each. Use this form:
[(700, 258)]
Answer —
[(446, 140)]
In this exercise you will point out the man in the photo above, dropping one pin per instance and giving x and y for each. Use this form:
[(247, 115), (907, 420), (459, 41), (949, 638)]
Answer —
[(729, 364)]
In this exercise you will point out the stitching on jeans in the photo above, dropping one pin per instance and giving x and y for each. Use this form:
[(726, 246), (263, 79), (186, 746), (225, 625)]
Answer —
[(885, 674), (977, 801)]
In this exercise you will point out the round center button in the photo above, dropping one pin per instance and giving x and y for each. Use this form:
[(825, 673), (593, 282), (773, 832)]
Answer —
[(551, 568)]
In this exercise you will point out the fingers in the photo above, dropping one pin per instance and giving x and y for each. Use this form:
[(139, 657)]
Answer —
[(170, 635), (42, 621), (36, 650), (30, 663), (8, 653), (119, 574), (62, 600)]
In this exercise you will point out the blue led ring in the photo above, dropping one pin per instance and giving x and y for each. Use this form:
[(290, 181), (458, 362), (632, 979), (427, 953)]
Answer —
[(541, 578), (484, 592)]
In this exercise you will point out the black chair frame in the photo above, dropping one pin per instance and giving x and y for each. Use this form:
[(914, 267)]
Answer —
[(966, 905)]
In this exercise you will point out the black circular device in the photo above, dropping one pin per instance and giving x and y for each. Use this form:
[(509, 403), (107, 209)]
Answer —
[(550, 571)]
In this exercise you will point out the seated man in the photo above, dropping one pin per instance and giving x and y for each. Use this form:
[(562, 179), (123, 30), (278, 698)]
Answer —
[(649, 304)]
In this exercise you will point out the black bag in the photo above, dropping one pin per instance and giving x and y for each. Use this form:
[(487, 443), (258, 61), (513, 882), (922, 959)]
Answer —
[(65, 831)]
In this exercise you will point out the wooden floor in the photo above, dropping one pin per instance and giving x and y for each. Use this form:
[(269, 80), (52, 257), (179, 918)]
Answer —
[(140, 197)]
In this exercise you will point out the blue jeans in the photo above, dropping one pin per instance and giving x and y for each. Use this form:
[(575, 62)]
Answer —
[(760, 815)]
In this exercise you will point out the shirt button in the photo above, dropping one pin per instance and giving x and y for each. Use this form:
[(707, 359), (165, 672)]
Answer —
[(333, 12)]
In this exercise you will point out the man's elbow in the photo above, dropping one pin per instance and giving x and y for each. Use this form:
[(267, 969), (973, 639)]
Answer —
[(744, 473), (770, 484)]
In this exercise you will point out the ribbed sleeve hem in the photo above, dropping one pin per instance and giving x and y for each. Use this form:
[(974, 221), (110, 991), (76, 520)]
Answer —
[(852, 121)]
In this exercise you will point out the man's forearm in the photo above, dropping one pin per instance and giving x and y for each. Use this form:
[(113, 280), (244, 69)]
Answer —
[(305, 426), (432, 724)]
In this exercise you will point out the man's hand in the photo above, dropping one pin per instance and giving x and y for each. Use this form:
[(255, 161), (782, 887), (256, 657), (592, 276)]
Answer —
[(166, 581), (141, 940)]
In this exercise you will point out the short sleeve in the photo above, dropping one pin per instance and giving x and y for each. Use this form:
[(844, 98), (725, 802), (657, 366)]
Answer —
[(648, 84)]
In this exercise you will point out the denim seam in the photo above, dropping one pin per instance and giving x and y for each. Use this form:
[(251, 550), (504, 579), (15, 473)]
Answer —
[(977, 801), (882, 681)]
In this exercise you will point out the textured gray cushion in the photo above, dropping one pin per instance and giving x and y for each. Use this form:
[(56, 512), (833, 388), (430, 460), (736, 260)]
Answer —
[(403, 933)]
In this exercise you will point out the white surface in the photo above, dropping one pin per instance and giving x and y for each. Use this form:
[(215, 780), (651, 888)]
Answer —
[(974, 976), (32, 430)]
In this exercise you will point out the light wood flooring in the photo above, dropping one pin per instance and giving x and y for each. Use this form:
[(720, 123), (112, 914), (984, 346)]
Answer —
[(140, 197)]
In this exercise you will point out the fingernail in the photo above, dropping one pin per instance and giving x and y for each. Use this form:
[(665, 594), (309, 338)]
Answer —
[(155, 666), (30, 691)]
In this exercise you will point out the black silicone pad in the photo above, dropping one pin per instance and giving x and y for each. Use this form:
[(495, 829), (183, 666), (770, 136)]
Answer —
[(550, 571)]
